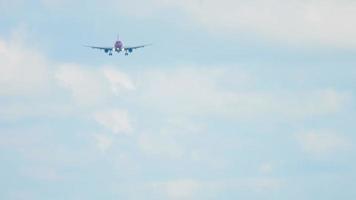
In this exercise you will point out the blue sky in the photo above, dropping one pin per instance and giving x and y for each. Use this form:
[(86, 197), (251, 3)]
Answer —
[(234, 99)]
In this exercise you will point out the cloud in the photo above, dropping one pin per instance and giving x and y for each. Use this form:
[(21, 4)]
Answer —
[(86, 86), (26, 72), (160, 145), (203, 189), (103, 142), (23, 71), (259, 184), (183, 90), (178, 189), (266, 168), (295, 22), (320, 143), (40, 146), (26, 76), (92, 86), (206, 92), (119, 81), (117, 121)]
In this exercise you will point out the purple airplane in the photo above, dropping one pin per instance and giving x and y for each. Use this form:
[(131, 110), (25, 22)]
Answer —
[(118, 47)]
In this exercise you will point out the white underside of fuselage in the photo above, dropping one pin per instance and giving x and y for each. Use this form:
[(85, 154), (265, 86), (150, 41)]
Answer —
[(118, 50)]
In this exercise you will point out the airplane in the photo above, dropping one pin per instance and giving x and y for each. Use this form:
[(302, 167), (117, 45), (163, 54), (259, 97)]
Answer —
[(118, 47)]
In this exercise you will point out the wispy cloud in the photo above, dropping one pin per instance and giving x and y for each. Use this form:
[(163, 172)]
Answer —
[(86, 86), (202, 189), (305, 23), (92, 86), (196, 91), (323, 143), (103, 142), (160, 146), (178, 189), (115, 120), (23, 71), (119, 81)]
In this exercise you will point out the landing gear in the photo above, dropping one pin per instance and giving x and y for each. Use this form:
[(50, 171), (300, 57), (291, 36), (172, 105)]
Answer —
[(126, 54), (110, 53)]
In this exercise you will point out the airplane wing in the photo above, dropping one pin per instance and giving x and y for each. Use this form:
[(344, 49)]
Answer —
[(128, 48), (106, 49)]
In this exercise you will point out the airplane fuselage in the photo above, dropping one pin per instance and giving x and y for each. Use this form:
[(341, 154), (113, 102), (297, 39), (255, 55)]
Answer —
[(118, 46)]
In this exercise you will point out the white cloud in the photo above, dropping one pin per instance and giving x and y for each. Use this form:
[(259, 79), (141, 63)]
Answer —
[(23, 71), (86, 86), (260, 184), (266, 168), (92, 87), (178, 189), (119, 81), (39, 146), (160, 145), (203, 189), (202, 92), (115, 120), (309, 22), (323, 143), (252, 184), (184, 90), (26, 72), (183, 126), (167, 141), (103, 142)]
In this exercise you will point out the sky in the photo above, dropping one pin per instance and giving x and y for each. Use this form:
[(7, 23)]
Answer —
[(234, 100)]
